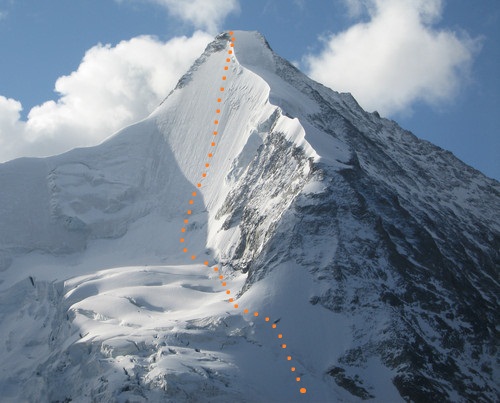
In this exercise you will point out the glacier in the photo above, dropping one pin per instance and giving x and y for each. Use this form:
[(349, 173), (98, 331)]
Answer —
[(375, 253)]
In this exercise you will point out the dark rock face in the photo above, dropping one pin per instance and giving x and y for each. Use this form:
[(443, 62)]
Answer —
[(404, 237), (245, 205), (400, 237), (352, 385)]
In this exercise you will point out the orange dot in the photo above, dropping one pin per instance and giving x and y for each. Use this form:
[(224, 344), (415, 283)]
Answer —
[(204, 174), (193, 257), (292, 369), (191, 201), (280, 336), (231, 299), (228, 292), (219, 100), (223, 283), (297, 379), (283, 345), (210, 155), (212, 143), (199, 185), (182, 239), (194, 194), (216, 122), (236, 306), (231, 33), (273, 325), (224, 78), (245, 311), (222, 89), (289, 358), (230, 52), (267, 319), (185, 250), (183, 229), (303, 390), (207, 165), (233, 38), (217, 111), (186, 221), (189, 212), (232, 45), (205, 262), (226, 68), (216, 132), (228, 60), (221, 277), (216, 269), (255, 314)]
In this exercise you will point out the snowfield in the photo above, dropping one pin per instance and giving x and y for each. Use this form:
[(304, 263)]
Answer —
[(373, 252)]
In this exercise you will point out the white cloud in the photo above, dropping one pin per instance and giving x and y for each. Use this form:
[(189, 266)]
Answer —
[(396, 58), (10, 126), (355, 7), (203, 14), (112, 87)]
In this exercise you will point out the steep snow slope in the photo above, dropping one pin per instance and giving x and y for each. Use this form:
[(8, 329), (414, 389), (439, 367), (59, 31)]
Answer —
[(105, 209), (376, 252)]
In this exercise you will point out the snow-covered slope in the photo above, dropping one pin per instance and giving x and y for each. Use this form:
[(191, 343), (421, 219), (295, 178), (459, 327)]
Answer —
[(375, 253)]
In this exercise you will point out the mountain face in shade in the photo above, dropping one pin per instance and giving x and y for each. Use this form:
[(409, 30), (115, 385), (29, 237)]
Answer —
[(376, 253)]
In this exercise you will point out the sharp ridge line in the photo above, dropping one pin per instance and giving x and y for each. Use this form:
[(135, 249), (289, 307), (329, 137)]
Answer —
[(199, 185)]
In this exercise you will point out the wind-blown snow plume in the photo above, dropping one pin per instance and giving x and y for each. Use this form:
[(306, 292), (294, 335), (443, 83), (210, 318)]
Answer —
[(396, 58)]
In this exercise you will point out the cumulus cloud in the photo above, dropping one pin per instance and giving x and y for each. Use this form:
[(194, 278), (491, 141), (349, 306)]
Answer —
[(396, 58), (112, 87), (355, 7), (203, 14)]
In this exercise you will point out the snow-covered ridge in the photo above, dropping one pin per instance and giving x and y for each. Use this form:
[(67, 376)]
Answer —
[(376, 251)]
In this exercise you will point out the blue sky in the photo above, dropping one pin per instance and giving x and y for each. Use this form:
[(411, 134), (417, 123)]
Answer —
[(430, 65)]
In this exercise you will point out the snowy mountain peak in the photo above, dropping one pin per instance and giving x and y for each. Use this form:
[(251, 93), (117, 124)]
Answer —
[(252, 49), (374, 251)]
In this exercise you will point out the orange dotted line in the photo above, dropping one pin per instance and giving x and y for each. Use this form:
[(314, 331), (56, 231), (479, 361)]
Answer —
[(194, 194)]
